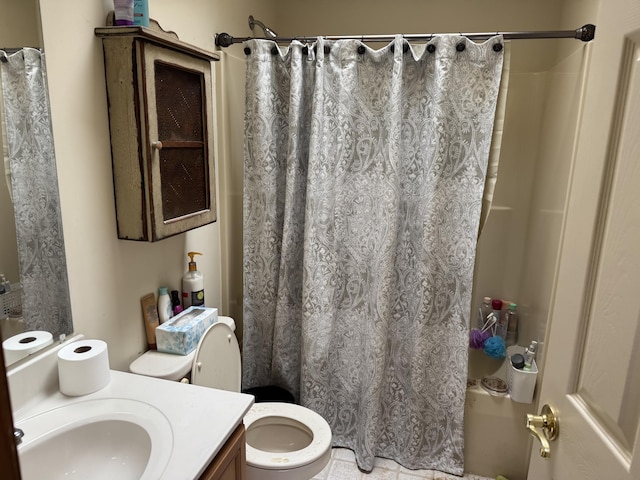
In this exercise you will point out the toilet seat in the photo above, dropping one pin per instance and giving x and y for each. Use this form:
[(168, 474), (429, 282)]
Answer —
[(288, 460)]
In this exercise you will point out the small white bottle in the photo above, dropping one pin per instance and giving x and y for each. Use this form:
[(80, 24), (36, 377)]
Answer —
[(165, 310), (5, 286), (530, 355), (484, 311), (192, 284)]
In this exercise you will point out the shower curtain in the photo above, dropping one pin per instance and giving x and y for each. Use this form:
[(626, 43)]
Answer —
[(364, 173), (34, 185)]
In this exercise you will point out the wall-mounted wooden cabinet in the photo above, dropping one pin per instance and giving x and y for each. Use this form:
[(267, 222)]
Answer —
[(161, 117)]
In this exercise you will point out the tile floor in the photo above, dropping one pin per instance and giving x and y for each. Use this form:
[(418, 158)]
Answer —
[(342, 466)]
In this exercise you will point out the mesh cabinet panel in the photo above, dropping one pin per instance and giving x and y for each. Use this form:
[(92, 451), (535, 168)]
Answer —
[(184, 183), (183, 158)]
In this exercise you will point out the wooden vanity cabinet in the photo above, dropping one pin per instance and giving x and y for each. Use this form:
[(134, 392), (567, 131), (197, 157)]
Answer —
[(230, 462), (161, 118)]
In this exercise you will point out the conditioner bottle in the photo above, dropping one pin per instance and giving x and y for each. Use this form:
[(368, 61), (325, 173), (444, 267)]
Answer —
[(192, 284)]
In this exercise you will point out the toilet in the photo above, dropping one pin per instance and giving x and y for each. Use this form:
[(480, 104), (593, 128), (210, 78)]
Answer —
[(285, 441)]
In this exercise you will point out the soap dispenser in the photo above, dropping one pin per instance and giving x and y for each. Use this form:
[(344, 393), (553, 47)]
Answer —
[(192, 284)]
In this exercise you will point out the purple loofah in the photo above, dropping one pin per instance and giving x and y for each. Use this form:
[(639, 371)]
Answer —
[(477, 338), (495, 348)]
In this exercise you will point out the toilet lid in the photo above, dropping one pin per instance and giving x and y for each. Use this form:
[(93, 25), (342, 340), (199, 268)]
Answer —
[(319, 446), (217, 360)]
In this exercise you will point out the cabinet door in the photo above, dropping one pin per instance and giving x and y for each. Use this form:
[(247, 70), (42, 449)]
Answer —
[(230, 463), (179, 146)]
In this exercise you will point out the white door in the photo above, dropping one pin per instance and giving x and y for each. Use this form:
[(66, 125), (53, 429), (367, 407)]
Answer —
[(592, 372)]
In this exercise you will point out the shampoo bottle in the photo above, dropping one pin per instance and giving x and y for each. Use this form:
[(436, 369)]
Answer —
[(141, 13), (192, 284)]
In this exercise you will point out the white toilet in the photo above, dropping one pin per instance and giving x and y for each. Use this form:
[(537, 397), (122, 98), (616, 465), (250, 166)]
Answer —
[(284, 441)]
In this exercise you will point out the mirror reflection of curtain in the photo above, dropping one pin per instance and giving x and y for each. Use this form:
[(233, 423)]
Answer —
[(34, 182)]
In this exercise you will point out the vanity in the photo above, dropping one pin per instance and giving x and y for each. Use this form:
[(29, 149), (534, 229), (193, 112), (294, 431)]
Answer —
[(135, 427)]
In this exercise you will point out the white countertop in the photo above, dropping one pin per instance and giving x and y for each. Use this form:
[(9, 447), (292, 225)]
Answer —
[(201, 418)]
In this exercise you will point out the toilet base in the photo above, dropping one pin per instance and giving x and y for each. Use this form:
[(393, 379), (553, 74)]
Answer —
[(304, 472)]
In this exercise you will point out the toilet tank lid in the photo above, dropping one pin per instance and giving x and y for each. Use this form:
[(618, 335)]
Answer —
[(162, 365), (229, 321), (168, 365)]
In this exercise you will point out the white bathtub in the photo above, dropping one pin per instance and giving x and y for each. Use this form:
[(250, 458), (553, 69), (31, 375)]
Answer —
[(496, 440)]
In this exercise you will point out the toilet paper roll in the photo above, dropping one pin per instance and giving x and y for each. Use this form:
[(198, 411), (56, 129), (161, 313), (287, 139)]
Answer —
[(24, 344), (83, 367)]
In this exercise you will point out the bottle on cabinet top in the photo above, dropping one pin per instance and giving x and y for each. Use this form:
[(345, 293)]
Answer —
[(141, 13), (123, 12), (192, 284)]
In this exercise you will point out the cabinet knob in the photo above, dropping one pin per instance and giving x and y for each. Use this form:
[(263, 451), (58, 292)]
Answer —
[(157, 145)]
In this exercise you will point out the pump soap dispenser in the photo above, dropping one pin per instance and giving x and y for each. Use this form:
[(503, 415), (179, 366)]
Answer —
[(192, 284)]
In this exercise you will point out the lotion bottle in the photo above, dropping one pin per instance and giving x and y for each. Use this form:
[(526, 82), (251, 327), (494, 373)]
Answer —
[(192, 284), (165, 312)]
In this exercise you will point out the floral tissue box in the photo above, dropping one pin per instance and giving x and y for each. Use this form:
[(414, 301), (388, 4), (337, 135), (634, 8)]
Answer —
[(181, 334)]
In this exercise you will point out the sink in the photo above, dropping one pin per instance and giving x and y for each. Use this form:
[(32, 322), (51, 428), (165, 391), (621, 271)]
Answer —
[(105, 438), (136, 427)]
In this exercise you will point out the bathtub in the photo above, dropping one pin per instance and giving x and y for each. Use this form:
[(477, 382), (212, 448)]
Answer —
[(496, 440)]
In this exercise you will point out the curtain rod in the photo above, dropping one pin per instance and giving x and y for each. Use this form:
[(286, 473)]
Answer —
[(586, 33)]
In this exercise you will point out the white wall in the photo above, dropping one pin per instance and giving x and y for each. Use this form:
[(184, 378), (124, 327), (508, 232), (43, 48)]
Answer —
[(109, 276)]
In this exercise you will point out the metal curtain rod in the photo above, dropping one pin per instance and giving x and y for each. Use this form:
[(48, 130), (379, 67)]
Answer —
[(586, 33)]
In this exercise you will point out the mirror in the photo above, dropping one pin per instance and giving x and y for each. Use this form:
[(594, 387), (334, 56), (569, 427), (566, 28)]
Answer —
[(32, 256)]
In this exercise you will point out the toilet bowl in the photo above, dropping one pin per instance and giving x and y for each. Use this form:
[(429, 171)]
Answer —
[(285, 441)]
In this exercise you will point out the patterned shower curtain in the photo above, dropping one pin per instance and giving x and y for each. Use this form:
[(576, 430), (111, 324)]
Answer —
[(34, 182), (364, 173)]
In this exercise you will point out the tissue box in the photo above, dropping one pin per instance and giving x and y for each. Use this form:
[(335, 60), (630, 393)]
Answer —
[(181, 334)]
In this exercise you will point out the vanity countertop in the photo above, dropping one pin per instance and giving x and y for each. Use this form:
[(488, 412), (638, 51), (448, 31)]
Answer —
[(201, 418)]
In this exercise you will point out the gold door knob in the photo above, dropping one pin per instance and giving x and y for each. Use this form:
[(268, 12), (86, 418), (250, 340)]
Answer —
[(544, 427)]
